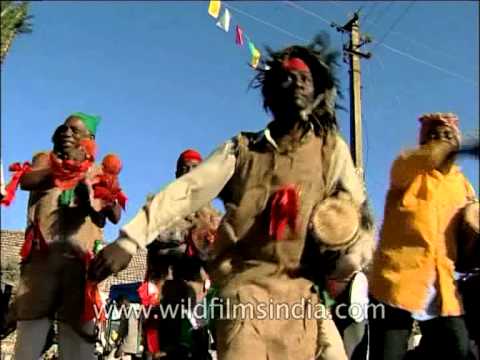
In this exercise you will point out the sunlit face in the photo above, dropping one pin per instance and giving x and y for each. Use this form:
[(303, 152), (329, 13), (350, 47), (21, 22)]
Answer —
[(186, 166), (442, 133), (293, 93), (302, 88), (69, 134)]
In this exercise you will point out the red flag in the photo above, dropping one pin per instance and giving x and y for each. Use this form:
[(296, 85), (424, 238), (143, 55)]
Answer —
[(238, 35)]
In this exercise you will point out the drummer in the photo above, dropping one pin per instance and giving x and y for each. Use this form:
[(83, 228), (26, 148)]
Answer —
[(280, 186), (413, 269)]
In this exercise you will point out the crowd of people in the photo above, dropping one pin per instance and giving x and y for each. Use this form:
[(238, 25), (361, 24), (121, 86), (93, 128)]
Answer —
[(297, 228)]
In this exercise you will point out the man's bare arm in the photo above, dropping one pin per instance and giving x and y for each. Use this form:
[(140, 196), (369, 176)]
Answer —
[(40, 177)]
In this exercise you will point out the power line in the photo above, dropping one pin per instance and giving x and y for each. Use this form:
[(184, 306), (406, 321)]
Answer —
[(380, 14), (414, 58), (395, 23), (397, 51), (425, 46), (336, 3), (439, 68), (416, 42), (302, 9), (375, 23), (266, 23), (370, 11)]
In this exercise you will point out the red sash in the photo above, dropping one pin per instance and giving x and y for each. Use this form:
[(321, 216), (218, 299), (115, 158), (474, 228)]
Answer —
[(19, 170)]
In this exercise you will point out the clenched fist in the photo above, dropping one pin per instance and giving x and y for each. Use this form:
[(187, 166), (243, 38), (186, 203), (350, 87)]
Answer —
[(110, 260)]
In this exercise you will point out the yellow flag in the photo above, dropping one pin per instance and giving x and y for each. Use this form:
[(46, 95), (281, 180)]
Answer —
[(214, 8), (255, 58)]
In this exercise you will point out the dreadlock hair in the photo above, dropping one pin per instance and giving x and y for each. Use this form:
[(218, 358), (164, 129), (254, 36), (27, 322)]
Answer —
[(321, 60)]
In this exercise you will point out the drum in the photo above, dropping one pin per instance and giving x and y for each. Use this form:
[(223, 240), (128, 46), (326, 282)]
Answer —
[(469, 238), (352, 302), (350, 316), (334, 224)]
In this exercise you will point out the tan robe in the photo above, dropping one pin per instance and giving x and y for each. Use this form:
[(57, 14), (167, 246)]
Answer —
[(52, 283), (250, 266)]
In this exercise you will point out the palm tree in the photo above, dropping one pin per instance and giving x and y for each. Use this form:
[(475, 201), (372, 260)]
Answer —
[(14, 20)]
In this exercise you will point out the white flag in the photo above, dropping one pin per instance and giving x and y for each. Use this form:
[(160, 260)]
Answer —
[(224, 21)]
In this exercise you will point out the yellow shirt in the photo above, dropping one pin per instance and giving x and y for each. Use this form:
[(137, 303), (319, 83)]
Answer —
[(418, 242)]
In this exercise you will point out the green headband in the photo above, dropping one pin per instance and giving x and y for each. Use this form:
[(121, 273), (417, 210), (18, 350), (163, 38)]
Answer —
[(90, 121)]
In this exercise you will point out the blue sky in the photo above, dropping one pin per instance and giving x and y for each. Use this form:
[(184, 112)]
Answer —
[(164, 78)]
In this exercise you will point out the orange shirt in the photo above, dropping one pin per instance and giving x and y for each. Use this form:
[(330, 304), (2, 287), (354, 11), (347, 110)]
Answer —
[(418, 239)]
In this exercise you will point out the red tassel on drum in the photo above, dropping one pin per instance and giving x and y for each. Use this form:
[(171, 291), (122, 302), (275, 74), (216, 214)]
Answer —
[(284, 211)]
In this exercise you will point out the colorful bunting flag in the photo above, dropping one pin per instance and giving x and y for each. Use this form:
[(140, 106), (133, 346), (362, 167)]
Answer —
[(255, 58), (214, 8), (238, 35), (224, 22), (251, 47)]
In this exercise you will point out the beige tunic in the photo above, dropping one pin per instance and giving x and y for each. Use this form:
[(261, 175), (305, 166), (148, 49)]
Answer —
[(250, 266), (52, 283), (230, 173)]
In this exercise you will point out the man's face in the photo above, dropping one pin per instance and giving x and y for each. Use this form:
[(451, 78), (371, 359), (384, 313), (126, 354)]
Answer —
[(68, 135), (442, 133), (302, 88), (294, 93), (186, 166)]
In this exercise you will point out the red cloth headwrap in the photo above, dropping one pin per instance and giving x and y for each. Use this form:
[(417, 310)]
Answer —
[(430, 120), (190, 154), (295, 64)]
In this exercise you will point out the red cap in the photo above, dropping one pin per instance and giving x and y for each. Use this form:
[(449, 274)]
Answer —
[(190, 154), (295, 64)]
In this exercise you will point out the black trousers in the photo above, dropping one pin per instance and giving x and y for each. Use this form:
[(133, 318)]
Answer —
[(442, 337)]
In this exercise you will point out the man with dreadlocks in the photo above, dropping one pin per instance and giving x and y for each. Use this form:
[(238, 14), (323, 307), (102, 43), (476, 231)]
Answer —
[(70, 199), (290, 192)]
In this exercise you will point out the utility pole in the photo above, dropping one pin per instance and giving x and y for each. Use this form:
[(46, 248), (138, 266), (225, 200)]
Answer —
[(352, 51)]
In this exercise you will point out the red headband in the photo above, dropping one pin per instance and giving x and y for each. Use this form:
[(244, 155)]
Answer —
[(190, 154), (295, 64)]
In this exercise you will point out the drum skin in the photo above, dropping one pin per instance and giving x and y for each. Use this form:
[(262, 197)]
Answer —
[(334, 223)]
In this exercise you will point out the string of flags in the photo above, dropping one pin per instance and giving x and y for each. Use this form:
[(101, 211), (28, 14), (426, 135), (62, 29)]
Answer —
[(214, 9)]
